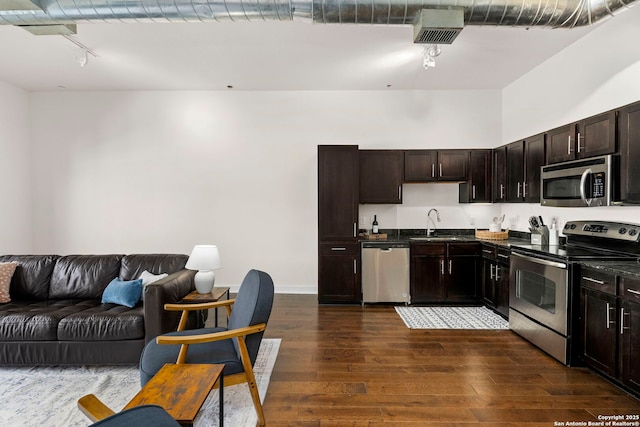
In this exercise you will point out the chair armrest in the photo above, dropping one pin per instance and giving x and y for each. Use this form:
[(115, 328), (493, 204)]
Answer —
[(93, 408), (169, 290), (198, 306), (215, 336)]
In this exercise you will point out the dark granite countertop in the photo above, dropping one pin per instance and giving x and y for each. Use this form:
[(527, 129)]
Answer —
[(621, 268), (442, 236)]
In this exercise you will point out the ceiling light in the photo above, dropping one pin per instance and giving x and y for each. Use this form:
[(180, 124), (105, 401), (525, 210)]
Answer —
[(429, 56)]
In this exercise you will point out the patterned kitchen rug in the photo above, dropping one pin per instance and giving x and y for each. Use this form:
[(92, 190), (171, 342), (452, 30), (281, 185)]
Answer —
[(451, 318)]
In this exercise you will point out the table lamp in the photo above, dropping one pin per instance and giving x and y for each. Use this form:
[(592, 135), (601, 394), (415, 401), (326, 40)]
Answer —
[(205, 259)]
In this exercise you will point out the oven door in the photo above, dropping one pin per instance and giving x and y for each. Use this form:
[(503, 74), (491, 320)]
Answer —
[(539, 289)]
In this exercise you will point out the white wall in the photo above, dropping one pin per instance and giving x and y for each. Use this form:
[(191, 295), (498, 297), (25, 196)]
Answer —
[(597, 73), (15, 171), (161, 171)]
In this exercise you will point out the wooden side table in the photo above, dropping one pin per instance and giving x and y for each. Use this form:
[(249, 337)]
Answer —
[(216, 293), (181, 390)]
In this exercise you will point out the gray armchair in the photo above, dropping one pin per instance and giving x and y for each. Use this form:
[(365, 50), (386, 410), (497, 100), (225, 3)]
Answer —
[(235, 346)]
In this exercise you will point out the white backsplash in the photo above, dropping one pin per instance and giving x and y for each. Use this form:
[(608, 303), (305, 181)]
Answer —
[(419, 198)]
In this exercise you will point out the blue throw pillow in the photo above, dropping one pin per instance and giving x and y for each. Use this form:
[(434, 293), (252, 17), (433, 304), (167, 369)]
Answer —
[(123, 292)]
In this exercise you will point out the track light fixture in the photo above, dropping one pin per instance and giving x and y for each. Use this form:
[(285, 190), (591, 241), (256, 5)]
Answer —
[(429, 56)]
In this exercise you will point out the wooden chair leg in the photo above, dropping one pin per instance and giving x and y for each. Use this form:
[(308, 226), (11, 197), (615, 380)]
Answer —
[(251, 381)]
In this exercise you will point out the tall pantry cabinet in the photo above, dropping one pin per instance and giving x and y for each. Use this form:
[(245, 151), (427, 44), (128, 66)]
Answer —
[(338, 247)]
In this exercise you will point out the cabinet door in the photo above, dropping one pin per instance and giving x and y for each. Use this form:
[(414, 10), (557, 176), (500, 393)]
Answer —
[(502, 288), (596, 135), (599, 330), (480, 176), (452, 165), (462, 278), (500, 174), (426, 279), (337, 192), (488, 282), (629, 137), (420, 165), (381, 176), (533, 161), (515, 171), (561, 144), (630, 344), (339, 273)]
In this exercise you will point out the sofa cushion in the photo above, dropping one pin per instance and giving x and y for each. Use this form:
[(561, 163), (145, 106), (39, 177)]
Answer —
[(31, 278), (123, 292), (104, 322), (134, 265), (71, 320), (83, 276), (6, 273)]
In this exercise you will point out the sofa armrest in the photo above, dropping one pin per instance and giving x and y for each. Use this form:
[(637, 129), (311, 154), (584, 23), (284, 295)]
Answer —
[(169, 290)]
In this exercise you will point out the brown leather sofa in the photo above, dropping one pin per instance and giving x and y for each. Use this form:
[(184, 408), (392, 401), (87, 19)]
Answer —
[(56, 316)]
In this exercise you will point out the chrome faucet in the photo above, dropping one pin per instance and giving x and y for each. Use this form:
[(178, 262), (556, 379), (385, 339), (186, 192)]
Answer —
[(429, 230)]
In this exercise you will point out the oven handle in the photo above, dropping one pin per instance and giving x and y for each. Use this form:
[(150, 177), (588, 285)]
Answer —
[(583, 190), (541, 261)]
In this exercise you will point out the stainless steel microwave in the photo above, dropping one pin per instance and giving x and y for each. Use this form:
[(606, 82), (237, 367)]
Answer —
[(580, 183)]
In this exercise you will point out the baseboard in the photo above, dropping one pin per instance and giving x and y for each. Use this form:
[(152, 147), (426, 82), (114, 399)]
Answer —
[(289, 289)]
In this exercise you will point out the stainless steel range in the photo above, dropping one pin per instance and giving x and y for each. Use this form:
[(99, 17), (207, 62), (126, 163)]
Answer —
[(542, 296)]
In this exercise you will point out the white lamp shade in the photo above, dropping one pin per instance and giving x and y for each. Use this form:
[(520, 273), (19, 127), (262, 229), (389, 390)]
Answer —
[(204, 258)]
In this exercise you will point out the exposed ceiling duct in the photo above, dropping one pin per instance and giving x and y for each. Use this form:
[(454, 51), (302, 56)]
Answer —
[(520, 13)]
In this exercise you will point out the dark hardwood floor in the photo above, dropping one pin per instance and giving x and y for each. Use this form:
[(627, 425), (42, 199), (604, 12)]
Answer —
[(354, 366)]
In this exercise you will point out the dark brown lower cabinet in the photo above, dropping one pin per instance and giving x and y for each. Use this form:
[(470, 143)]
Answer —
[(339, 273), (610, 321), (444, 272), (600, 331), (495, 278)]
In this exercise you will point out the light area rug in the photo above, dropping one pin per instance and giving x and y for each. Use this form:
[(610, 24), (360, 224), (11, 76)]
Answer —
[(47, 396), (451, 318)]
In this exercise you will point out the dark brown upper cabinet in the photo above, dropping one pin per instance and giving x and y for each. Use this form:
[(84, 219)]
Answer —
[(381, 176), (478, 188), (499, 193), (436, 165), (524, 160), (629, 138), (338, 192), (590, 137)]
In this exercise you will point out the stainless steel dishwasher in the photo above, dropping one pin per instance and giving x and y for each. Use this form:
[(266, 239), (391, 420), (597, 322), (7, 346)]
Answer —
[(385, 272)]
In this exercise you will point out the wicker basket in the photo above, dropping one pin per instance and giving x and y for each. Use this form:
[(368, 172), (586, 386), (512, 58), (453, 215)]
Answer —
[(492, 235)]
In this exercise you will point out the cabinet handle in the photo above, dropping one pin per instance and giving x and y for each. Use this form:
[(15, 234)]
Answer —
[(440, 164), (399, 192), (502, 191), (355, 267), (442, 267), (487, 251), (497, 270), (503, 256), (518, 194), (608, 316), (622, 314), (355, 229), (450, 267), (599, 282), (524, 189), (338, 249), (473, 192), (633, 291), (433, 170), (491, 271), (578, 141), (569, 144)]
